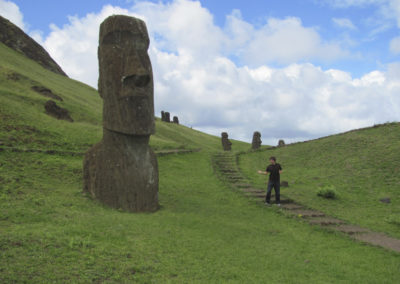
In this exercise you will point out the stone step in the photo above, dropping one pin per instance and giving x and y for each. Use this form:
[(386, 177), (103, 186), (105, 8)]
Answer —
[(243, 185), (292, 206), (307, 213), (325, 221), (350, 229)]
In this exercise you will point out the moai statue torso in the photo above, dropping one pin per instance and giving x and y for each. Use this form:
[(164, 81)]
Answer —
[(226, 144), (121, 171), (162, 115), (256, 143)]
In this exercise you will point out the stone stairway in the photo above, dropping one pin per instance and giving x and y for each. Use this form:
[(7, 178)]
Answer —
[(226, 168)]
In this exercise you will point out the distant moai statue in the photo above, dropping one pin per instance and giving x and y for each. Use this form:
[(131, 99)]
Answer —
[(281, 143), (121, 170), (175, 120), (162, 115), (256, 143), (226, 144), (167, 117)]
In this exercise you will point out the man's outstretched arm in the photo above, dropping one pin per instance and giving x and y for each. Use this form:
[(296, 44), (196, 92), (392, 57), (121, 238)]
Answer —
[(263, 172)]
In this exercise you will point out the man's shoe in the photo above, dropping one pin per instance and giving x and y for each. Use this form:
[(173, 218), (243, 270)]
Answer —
[(267, 204), (278, 204)]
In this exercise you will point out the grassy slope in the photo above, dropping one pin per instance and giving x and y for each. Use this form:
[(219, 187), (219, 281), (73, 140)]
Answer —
[(363, 166), (204, 232), (23, 108)]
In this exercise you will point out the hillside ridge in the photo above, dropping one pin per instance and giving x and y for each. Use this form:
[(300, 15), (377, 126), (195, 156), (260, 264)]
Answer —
[(17, 39)]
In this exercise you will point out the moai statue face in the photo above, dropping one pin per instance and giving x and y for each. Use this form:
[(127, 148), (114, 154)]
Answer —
[(126, 76)]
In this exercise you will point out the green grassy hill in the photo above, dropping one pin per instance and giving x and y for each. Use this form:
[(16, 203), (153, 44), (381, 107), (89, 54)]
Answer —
[(361, 166), (204, 232)]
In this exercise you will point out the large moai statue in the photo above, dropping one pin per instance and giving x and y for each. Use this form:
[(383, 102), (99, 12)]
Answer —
[(226, 144), (175, 120), (256, 143), (167, 117), (121, 171)]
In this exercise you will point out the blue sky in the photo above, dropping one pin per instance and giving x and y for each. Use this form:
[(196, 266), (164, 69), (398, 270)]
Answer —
[(290, 69), (370, 52)]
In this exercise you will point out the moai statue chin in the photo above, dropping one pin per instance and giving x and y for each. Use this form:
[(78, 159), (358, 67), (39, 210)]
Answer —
[(256, 143), (121, 171), (226, 144)]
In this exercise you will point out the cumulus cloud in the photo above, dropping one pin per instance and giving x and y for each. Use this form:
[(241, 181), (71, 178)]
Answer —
[(219, 79), (10, 11), (344, 23)]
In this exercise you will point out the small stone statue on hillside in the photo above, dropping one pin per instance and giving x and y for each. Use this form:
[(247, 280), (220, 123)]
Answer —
[(175, 120), (162, 115), (121, 171), (281, 143), (226, 144), (256, 143), (167, 117)]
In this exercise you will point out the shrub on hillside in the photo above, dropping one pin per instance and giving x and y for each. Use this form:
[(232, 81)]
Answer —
[(327, 192)]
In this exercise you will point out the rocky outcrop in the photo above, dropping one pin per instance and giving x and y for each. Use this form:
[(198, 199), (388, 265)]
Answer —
[(15, 38), (56, 111)]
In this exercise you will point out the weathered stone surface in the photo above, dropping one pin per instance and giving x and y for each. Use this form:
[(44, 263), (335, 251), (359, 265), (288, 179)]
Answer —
[(226, 144), (175, 120), (284, 184), (121, 171), (126, 76), (167, 117), (385, 200), (256, 143), (15, 38), (54, 110), (281, 143)]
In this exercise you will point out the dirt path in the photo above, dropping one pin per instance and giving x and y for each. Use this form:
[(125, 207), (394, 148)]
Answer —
[(225, 166)]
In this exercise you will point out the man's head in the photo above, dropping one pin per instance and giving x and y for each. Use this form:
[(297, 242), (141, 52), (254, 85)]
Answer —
[(272, 160)]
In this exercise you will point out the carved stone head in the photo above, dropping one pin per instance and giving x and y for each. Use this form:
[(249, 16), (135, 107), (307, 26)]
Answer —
[(126, 76)]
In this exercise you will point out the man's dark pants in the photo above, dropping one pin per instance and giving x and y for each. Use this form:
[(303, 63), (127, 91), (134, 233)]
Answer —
[(277, 186)]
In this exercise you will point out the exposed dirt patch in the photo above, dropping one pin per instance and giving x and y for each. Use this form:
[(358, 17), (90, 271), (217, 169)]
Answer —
[(55, 111), (46, 92)]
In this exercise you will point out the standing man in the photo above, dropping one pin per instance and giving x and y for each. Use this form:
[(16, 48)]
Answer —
[(274, 170)]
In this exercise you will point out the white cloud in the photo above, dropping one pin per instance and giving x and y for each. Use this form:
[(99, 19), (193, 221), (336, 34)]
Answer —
[(344, 23), (353, 3), (10, 11), (196, 79), (395, 45)]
